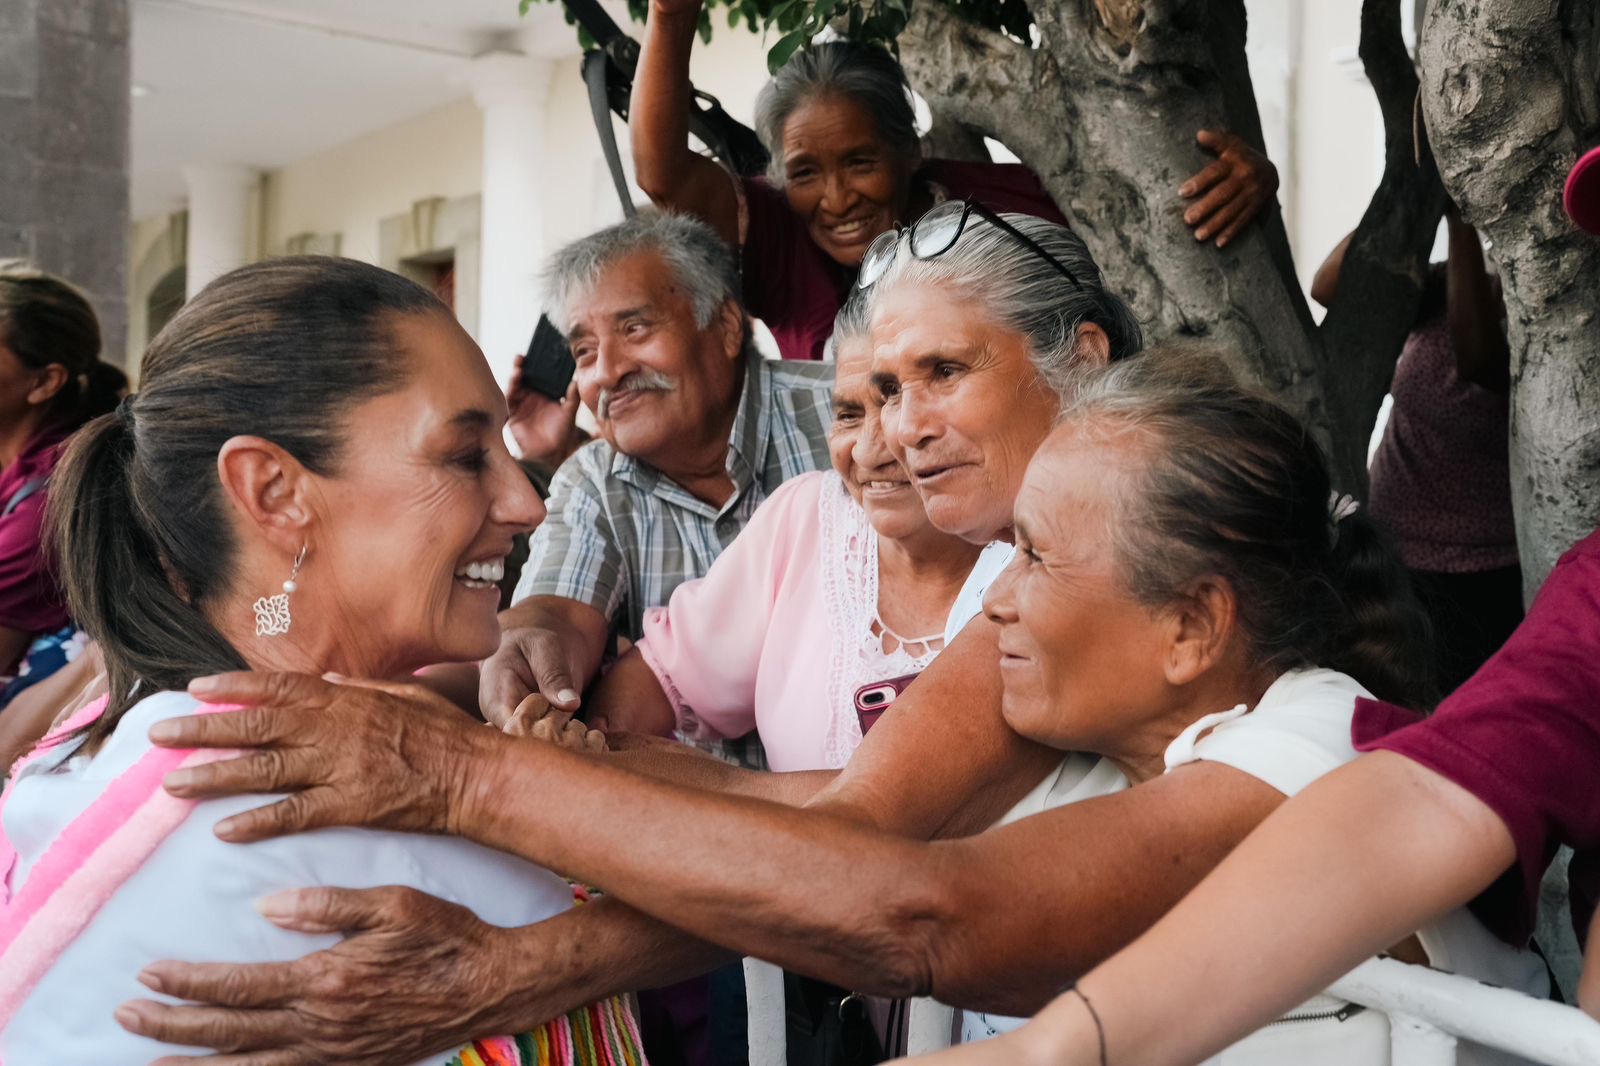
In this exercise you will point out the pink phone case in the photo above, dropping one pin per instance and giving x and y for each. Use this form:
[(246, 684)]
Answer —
[(872, 700)]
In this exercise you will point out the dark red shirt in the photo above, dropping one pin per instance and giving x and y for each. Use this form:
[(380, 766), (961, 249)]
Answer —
[(796, 288), (1523, 735), (30, 599)]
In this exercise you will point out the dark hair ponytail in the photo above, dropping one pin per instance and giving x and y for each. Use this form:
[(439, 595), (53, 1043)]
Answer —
[(1232, 484), (1387, 640), (100, 390), (284, 350), (115, 578)]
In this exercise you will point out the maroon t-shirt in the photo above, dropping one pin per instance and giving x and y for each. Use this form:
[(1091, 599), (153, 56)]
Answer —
[(797, 289), (30, 598), (1523, 735)]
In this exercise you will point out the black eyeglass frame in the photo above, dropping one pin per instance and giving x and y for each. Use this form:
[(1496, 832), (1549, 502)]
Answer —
[(891, 240)]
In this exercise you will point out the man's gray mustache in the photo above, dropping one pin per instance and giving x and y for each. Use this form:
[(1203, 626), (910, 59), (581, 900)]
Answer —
[(638, 381)]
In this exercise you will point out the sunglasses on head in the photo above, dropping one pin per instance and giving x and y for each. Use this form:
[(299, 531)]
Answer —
[(936, 232)]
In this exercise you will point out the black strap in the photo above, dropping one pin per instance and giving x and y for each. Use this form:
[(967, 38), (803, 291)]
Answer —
[(595, 76), (28, 489), (608, 72)]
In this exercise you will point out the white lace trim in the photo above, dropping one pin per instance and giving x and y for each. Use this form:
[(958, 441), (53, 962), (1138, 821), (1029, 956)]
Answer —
[(862, 650)]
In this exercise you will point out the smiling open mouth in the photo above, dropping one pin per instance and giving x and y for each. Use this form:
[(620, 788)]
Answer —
[(484, 574), (852, 232)]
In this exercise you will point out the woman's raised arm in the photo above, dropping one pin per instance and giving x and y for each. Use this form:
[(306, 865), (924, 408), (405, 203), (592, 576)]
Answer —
[(670, 173)]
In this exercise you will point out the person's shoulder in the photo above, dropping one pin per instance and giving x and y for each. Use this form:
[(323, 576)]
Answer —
[(964, 178), (130, 740), (1586, 551), (802, 492), (1317, 703), (799, 375), (1298, 731), (586, 471)]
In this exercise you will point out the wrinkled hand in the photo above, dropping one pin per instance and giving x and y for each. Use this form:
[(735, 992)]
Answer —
[(536, 718), (545, 431), (530, 660), (360, 754), (417, 976), (1232, 191)]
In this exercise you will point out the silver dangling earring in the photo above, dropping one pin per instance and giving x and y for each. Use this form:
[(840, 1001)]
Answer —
[(272, 612)]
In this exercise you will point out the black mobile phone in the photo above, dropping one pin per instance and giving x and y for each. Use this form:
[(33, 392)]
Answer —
[(547, 368)]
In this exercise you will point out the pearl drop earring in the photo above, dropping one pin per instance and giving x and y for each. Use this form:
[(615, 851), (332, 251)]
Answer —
[(272, 612)]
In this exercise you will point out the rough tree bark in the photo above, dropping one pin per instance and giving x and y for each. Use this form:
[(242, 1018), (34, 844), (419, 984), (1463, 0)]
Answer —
[(1105, 109), (1511, 93), (949, 139)]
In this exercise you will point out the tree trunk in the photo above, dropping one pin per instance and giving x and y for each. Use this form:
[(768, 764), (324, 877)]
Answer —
[(1105, 111), (949, 139), (1509, 90)]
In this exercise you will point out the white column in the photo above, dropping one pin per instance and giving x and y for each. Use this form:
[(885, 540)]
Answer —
[(221, 218), (512, 91)]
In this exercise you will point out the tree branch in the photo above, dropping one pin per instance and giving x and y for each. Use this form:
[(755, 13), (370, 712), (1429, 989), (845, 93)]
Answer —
[(948, 139), (959, 67), (1380, 284)]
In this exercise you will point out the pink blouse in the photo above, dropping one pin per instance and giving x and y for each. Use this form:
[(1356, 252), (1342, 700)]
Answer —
[(782, 631)]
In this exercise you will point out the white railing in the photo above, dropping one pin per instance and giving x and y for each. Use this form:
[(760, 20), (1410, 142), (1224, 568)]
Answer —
[(1427, 1009)]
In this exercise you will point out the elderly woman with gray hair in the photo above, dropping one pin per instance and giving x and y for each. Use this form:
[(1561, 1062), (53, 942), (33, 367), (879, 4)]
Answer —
[(847, 166), (979, 325)]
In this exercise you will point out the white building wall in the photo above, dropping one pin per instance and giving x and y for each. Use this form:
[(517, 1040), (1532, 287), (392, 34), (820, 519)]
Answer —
[(349, 189)]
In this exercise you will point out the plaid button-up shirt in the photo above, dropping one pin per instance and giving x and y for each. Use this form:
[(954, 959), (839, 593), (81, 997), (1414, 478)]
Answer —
[(621, 535)]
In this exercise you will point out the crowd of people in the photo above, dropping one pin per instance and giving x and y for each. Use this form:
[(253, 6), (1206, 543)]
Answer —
[(974, 650)]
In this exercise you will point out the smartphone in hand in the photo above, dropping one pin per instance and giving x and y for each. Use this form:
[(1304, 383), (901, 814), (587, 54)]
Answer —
[(872, 700), (547, 368)]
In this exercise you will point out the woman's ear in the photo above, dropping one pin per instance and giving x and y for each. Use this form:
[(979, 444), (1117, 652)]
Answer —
[(1203, 623), (49, 381), (1092, 346), (269, 488)]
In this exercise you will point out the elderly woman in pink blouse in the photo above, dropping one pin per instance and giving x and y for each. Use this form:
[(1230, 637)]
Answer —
[(834, 596)]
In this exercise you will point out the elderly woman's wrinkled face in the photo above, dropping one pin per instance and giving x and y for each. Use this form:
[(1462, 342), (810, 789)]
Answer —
[(1082, 660), (860, 454), (416, 523), (963, 407), (840, 178)]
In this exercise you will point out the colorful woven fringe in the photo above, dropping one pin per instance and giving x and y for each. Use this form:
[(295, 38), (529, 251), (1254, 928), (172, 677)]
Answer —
[(601, 1034)]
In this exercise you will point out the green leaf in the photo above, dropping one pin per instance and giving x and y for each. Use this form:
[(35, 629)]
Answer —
[(705, 25), (522, 7), (787, 46), (790, 16)]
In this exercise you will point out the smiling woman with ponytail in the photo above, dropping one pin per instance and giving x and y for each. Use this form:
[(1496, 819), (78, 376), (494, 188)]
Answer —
[(312, 478), (51, 382)]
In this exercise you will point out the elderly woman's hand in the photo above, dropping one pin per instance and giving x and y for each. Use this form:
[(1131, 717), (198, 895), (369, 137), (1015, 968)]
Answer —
[(416, 975), (1232, 191), (360, 754), (536, 718)]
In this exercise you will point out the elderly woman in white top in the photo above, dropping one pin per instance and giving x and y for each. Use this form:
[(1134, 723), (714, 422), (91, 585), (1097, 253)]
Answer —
[(311, 478)]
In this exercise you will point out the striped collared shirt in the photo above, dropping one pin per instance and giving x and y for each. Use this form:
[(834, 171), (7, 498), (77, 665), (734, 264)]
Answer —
[(621, 535)]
